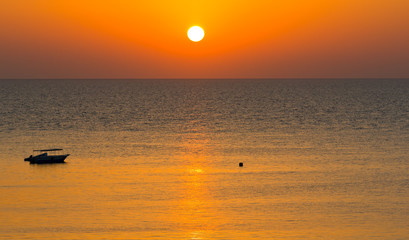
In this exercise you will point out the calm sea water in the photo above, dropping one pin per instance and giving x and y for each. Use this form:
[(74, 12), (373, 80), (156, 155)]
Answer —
[(323, 159)]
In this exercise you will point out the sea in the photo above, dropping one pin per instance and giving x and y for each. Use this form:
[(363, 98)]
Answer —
[(159, 159)]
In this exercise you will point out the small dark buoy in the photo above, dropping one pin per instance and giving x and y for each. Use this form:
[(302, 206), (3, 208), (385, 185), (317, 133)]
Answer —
[(241, 164)]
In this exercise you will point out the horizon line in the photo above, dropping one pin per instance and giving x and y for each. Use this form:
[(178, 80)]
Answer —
[(227, 78)]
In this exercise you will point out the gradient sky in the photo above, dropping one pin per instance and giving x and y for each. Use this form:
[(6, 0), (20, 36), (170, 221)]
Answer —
[(244, 39)]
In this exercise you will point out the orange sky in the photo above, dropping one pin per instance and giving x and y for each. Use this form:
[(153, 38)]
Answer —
[(244, 39)]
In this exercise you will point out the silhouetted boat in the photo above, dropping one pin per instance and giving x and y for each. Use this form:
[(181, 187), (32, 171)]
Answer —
[(45, 157)]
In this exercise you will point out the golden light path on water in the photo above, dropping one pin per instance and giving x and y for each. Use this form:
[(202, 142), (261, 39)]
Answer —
[(197, 211)]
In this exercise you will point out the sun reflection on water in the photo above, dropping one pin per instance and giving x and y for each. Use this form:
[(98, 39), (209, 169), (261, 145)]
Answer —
[(197, 209)]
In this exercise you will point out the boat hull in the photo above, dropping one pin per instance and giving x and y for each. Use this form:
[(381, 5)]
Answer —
[(47, 159)]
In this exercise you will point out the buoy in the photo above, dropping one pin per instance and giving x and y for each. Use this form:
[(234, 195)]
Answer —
[(241, 164)]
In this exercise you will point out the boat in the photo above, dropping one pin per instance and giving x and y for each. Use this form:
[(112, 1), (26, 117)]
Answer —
[(47, 156)]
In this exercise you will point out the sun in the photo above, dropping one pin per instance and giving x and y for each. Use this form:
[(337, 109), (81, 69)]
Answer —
[(195, 33)]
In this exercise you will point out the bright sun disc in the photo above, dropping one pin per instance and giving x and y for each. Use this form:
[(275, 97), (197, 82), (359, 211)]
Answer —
[(195, 33)]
